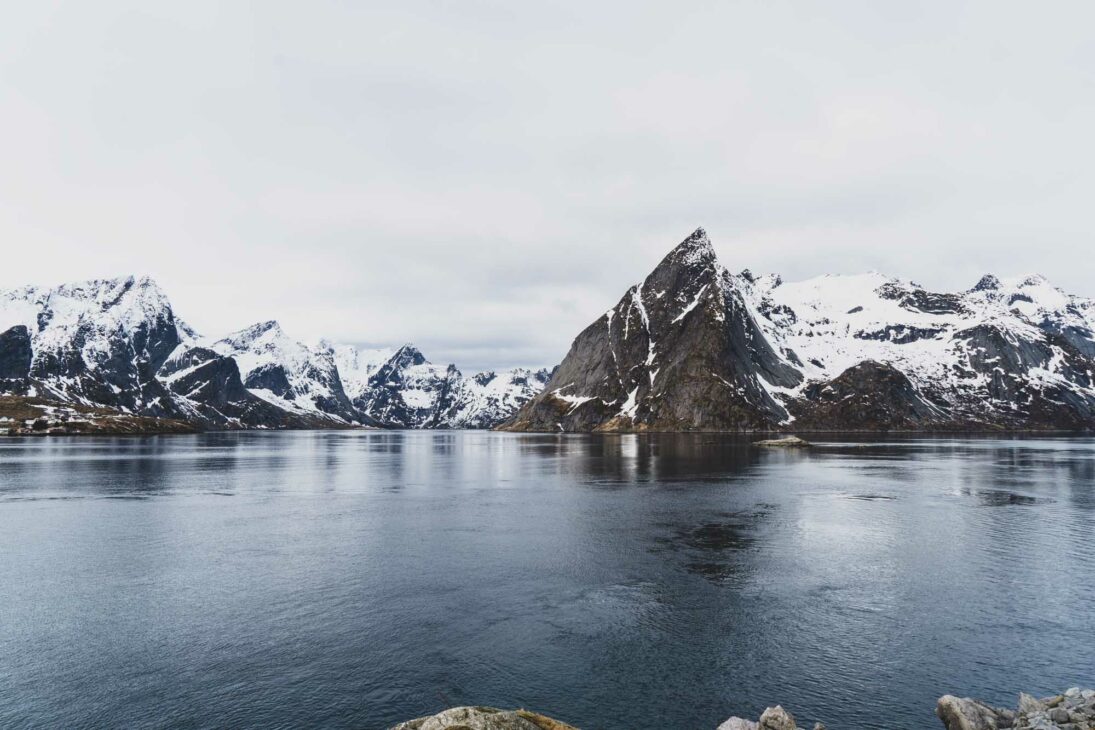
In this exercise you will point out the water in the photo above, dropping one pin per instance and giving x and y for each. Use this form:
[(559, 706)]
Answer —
[(351, 579)]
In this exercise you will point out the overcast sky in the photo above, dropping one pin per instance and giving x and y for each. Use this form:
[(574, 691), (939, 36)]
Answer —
[(486, 178)]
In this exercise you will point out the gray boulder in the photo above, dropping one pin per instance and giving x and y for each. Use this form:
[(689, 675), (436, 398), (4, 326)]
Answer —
[(963, 713), (483, 718), (776, 718), (738, 723)]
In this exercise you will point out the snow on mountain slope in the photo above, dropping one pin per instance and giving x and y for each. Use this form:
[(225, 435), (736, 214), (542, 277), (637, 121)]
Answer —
[(98, 341), (287, 373), (356, 365), (487, 399), (404, 389), (940, 341), (118, 343)]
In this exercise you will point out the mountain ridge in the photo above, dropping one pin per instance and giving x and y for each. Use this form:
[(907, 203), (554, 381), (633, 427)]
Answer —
[(118, 344), (696, 347)]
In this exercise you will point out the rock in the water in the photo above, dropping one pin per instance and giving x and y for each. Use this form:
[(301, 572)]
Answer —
[(776, 718), (483, 718), (773, 718), (787, 442), (738, 723)]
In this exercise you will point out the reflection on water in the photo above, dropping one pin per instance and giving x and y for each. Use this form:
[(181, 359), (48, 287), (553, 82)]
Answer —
[(353, 579)]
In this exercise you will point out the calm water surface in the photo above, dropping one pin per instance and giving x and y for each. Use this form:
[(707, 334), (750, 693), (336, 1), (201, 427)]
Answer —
[(354, 579)]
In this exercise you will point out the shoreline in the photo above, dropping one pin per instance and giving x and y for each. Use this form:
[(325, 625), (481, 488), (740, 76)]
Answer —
[(1073, 709)]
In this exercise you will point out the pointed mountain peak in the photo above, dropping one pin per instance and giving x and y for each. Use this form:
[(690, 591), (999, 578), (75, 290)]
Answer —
[(408, 355), (692, 251), (986, 283)]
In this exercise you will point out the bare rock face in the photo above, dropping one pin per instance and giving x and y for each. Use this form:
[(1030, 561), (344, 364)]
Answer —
[(679, 352), (15, 353), (868, 396), (483, 718)]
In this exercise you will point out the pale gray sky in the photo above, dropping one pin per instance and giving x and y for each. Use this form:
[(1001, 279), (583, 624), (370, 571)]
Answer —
[(485, 178)]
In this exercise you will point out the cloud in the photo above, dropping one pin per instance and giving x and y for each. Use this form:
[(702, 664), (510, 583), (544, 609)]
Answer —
[(484, 180)]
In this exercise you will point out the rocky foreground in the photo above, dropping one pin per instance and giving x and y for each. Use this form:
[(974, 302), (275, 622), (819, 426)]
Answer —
[(1074, 709)]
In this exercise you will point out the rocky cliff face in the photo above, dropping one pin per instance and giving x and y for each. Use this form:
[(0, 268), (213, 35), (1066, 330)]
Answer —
[(117, 345), (694, 347)]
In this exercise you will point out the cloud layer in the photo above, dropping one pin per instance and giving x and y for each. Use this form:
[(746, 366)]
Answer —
[(485, 178)]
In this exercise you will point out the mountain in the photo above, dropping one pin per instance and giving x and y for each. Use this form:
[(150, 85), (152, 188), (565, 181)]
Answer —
[(290, 375), (95, 342), (695, 347), (115, 347), (404, 389)]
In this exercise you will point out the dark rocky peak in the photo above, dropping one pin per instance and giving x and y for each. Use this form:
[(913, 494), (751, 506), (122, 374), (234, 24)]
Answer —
[(988, 282), (484, 378), (690, 270), (693, 252), (406, 356), (392, 371)]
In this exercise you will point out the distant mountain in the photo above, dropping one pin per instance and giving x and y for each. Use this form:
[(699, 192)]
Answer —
[(117, 344), (695, 347), (402, 388)]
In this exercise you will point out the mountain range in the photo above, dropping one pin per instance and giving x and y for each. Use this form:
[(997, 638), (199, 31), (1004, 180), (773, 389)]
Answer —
[(118, 345), (694, 347)]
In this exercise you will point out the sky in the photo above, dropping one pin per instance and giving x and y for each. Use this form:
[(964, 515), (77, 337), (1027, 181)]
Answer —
[(486, 178)]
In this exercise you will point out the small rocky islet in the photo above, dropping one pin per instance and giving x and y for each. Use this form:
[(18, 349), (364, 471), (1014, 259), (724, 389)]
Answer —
[(1073, 709)]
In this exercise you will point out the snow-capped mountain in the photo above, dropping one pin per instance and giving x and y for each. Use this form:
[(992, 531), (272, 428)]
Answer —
[(118, 343), (300, 379), (695, 347), (91, 342), (402, 388)]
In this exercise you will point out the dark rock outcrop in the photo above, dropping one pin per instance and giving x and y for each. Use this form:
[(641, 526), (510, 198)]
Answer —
[(15, 358), (870, 396), (679, 352)]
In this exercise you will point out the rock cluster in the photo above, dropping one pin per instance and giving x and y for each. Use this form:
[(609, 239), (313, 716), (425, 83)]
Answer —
[(773, 718), (1072, 710)]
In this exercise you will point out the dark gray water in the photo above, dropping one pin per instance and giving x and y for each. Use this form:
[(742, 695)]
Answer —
[(353, 579)]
